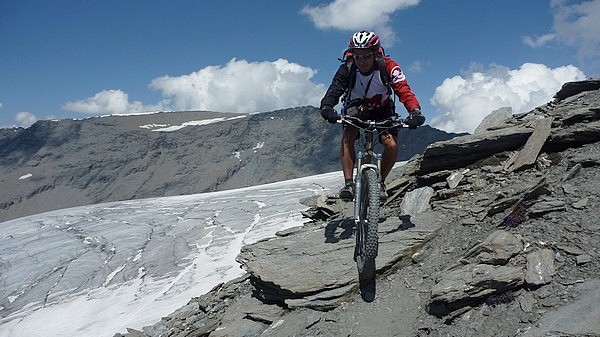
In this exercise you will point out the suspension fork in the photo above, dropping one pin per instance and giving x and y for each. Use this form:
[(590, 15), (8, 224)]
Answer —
[(357, 187), (373, 163), (361, 167)]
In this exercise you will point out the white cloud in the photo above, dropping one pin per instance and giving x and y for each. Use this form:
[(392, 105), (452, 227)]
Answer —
[(109, 102), (358, 15), (242, 86), (575, 25), (239, 86), (417, 66), (464, 102), (537, 41), (25, 119)]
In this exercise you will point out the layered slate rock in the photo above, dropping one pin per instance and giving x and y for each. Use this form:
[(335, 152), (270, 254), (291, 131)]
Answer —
[(572, 125), (495, 119), (574, 319), (324, 258), (573, 88), (462, 151), (530, 151), (497, 249), (469, 284), (540, 267)]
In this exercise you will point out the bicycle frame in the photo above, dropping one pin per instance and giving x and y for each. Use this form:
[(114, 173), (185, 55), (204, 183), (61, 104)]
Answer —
[(366, 212), (368, 166)]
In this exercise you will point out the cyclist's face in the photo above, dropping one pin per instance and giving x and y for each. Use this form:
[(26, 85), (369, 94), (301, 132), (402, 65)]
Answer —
[(364, 59)]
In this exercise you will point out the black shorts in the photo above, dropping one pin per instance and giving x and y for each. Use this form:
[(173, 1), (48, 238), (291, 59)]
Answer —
[(358, 108)]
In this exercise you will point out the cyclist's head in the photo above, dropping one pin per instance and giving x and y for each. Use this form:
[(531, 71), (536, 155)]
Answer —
[(363, 47), (364, 40)]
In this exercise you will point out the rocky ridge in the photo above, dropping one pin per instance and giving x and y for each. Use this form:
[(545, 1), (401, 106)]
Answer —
[(491, 234), (112, 158)]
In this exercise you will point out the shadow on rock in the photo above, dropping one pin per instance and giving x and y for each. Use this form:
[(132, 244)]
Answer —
[(331, 235), (406, 224)]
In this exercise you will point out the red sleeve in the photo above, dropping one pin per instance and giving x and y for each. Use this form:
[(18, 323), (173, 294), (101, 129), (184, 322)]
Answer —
[(400, 85)]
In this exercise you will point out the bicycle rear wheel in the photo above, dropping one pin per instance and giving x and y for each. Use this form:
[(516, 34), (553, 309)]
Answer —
[(367, 236)]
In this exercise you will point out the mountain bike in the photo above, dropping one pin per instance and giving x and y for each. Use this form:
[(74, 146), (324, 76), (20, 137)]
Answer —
[(367, 192)]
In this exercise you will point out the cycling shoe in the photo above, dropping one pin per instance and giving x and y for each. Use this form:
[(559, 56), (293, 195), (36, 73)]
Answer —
[(347, 193)]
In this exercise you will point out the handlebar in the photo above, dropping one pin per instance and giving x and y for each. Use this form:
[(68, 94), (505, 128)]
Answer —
[(387, 123)]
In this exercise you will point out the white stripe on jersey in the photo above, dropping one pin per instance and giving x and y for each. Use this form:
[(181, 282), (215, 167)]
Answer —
[(376, 88)]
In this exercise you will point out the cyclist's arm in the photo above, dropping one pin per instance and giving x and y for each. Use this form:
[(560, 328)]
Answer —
[(401, 87), (338, 86)]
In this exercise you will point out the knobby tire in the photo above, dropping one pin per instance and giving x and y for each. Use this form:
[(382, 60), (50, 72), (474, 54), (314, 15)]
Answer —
[(367, 236)]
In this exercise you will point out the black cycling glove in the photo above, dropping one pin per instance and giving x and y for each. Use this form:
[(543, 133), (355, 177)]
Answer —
[(329, 114), (415, 119)]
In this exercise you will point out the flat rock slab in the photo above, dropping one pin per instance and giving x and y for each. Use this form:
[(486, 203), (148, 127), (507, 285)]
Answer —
[(529, 153), (495, 119), (471, 283), (580, 317), (323, 256), (462, 151)]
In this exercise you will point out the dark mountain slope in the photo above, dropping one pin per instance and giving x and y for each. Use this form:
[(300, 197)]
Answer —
[(59, 164)]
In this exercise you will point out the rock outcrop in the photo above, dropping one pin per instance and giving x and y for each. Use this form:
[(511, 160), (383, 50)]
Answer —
[(500, 237)]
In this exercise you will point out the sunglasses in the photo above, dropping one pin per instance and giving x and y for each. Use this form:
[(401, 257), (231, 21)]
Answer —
[(363, 57)]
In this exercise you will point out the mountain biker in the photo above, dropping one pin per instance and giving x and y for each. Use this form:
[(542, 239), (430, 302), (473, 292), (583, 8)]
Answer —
[(362, 81)]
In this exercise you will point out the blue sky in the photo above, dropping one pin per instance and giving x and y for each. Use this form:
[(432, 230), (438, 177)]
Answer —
[(75, 59)]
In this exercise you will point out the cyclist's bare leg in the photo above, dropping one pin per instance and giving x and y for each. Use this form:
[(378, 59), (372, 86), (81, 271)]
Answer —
[(390, 152), (347, 151)]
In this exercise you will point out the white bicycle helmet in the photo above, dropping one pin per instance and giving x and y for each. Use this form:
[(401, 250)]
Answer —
[(364, 40)]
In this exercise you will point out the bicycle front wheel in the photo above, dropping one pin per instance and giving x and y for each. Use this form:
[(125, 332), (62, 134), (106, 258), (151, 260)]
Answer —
[(369, 212)]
